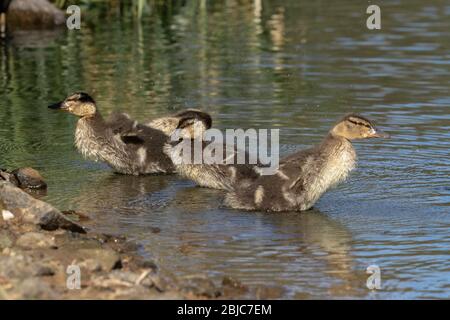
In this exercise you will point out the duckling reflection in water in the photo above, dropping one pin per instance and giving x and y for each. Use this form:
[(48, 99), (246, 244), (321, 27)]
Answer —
[(4, 5), (303, 177), (125, 145)]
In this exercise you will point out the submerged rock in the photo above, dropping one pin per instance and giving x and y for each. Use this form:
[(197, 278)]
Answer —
[(199, 286), (76, 216), (233, 287), (7, 215), (269, 292)]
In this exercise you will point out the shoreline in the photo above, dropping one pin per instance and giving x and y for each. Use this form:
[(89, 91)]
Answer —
[(44, 254)]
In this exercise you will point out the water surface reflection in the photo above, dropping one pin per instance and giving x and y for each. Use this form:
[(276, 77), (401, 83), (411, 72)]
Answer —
[(293, 65)]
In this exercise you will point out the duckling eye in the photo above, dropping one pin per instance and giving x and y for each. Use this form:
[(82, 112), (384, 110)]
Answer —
[(360, 123)]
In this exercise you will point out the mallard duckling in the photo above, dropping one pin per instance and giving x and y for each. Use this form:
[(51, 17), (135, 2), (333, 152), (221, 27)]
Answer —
[(125, 145), (303, 177), (215, 175)]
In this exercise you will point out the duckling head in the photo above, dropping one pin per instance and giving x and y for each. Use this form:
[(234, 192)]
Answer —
[(80, 104), (353, 127), (193, 123)]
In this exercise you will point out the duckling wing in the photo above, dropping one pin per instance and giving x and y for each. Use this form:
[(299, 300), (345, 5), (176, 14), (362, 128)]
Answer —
[(278, 192), (142, 134), (132, 139), (129, 130), (220, 171), (297, 167), (144, 146), (164, 124), (121, 123)]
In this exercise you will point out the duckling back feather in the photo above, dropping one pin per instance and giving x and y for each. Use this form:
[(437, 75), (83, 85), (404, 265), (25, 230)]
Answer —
[(300, 181)]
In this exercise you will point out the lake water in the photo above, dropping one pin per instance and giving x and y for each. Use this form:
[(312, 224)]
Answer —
[(293, 65)]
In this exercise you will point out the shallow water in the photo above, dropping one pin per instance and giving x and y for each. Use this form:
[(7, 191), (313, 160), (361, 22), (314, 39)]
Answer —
[(293, 65)]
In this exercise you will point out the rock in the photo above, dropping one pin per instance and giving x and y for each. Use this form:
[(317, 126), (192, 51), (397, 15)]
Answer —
[(34, 211), (29, 178), (233, 287), (109, 238), (33, 288), (199, 286), (6, 239), (44, 271), (107, 259), (269, 292), (7, 176), (34, 14), (7, 215), (75, 216), (147, 264), (16, 266), (35, 240), (155, 230), (159, 282), (91, 265), (39, 243), (124, 278)]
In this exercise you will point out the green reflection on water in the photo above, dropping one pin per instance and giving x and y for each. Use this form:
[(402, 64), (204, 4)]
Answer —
[(294, 65)]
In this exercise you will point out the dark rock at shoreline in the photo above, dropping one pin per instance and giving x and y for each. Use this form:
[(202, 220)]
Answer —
[(25, 178), (38, 245), (29, 14), (29, 178), (9, 177), (24, 207)]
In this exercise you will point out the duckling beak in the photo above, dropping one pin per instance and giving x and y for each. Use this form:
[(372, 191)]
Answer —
[(57, 106), (379, 134)]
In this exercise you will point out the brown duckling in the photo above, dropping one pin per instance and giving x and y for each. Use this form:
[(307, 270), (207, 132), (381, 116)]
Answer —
[(303, 177), (125, 145), (190, 123), (216, 175)]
